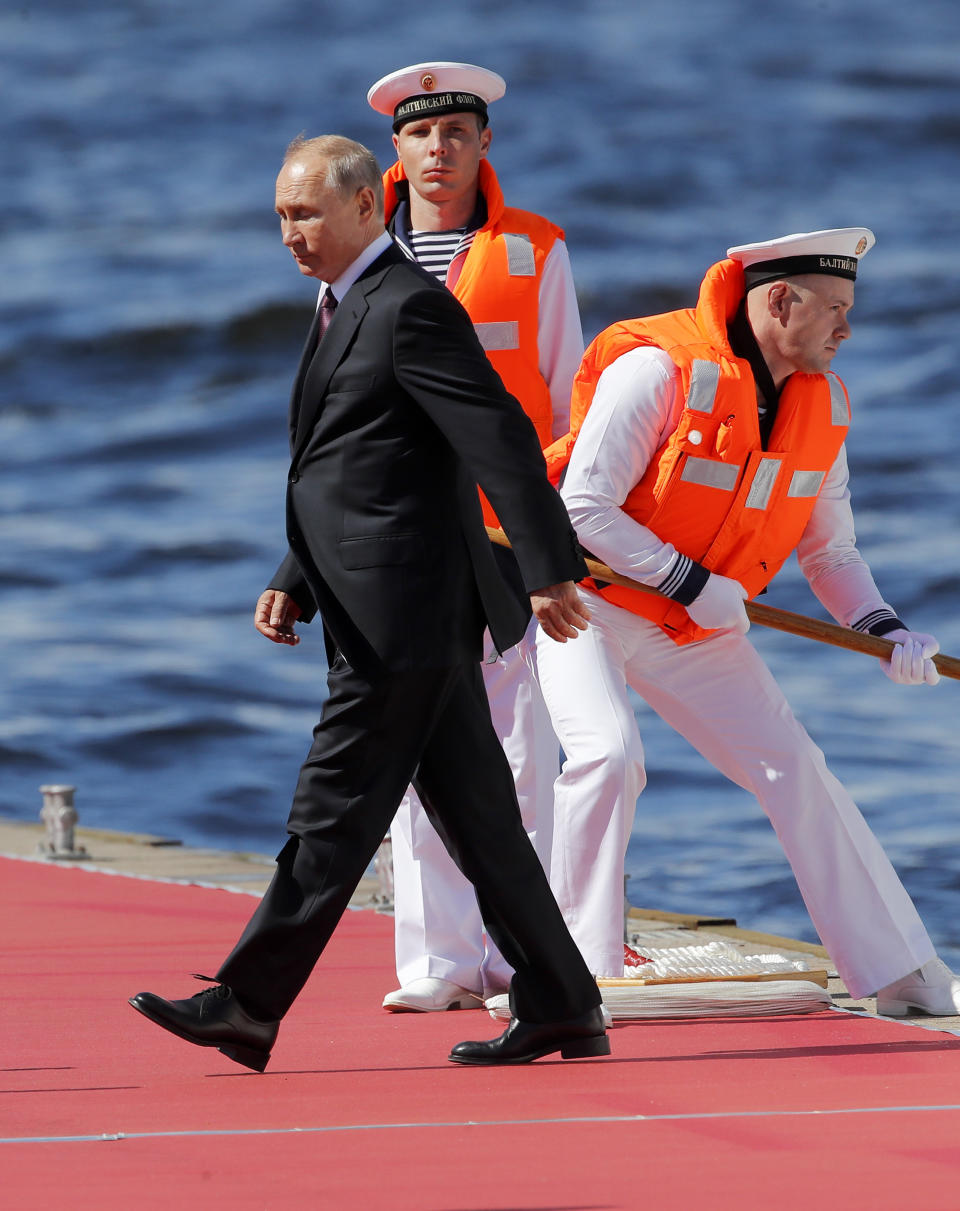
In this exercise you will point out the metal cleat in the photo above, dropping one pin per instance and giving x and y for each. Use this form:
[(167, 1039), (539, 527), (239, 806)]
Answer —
[(60, 818)]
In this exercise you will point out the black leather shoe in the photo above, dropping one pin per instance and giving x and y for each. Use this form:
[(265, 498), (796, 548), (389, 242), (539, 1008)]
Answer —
[(521, 1042), (213, 1018)]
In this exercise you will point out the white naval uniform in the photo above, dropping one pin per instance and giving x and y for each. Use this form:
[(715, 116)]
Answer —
[(717, 693), (438, 929)]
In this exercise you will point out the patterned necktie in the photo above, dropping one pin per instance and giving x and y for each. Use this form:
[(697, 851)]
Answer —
[(328, 305)]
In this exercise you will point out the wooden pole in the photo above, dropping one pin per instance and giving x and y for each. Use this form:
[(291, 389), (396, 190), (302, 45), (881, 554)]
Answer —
[(776, 619), (817, 976)]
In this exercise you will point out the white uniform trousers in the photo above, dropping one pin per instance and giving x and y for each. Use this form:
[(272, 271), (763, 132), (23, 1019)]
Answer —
[(438, 930), (723, 699)]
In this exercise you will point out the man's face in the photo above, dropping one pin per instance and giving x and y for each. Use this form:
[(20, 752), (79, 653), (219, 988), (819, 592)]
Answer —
[(324, 229), (441, 155), (816, 322)]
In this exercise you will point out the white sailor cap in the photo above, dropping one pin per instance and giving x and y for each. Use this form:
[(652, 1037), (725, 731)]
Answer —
[(427, 89), (835, 252)]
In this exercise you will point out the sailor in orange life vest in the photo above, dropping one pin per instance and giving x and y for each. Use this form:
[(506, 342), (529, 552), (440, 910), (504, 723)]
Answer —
[(706, 445), (510, 270)]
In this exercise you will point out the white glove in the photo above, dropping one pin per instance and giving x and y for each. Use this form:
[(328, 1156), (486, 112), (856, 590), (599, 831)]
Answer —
[(719, 605), (910, 663)]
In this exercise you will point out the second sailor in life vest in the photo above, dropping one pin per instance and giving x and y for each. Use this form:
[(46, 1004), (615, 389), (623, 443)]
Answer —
[(511, 273), (732, 488)]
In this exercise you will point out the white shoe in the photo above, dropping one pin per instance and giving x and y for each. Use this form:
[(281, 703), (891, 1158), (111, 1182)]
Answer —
[(499, 1007), (430, 995), (932, 988)]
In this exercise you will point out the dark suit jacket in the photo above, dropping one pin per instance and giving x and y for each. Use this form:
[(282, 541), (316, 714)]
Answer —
[(393, 422)]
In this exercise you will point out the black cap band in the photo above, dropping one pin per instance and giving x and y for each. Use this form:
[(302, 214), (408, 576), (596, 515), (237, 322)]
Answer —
[(428, 105), (790, 266)]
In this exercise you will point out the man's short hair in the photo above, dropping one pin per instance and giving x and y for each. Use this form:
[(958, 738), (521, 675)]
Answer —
[(350, 165)]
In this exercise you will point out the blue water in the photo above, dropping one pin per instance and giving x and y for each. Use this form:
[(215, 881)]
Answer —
[(151, 322)]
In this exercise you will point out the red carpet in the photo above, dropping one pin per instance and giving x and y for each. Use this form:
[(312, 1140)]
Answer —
[(360, 1109)]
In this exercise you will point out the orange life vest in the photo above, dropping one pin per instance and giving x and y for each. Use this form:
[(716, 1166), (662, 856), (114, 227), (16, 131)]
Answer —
[(712, 490), (498, 282)]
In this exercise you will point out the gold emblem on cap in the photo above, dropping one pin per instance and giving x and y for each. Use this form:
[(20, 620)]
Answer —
[(428, 83), (861, 246)]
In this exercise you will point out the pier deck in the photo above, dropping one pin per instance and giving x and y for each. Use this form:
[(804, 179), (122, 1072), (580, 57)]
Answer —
[(360, 1108)]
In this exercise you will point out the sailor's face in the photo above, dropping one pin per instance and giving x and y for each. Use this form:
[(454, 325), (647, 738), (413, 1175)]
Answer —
[(816, 323), (441, 155)]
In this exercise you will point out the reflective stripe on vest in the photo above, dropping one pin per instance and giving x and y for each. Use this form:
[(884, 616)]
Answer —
[(805, 483), (764, 478), (704, 380), (839, 411), (498, 334), (521, 262), (710, 474)]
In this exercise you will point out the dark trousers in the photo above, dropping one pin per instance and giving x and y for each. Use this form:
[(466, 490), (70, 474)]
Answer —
[(433, 728)]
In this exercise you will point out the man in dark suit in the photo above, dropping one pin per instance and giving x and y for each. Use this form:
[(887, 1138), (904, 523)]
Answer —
[(396, 415)]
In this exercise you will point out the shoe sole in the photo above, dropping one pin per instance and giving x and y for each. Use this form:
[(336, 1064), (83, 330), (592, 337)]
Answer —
[(572, 1049), (902, 1009), (249, 1057), (394, 1007)]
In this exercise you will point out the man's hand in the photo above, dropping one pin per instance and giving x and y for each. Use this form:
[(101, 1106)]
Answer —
[(560, 611), (910, 662), (276, 613), (719, 605)]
